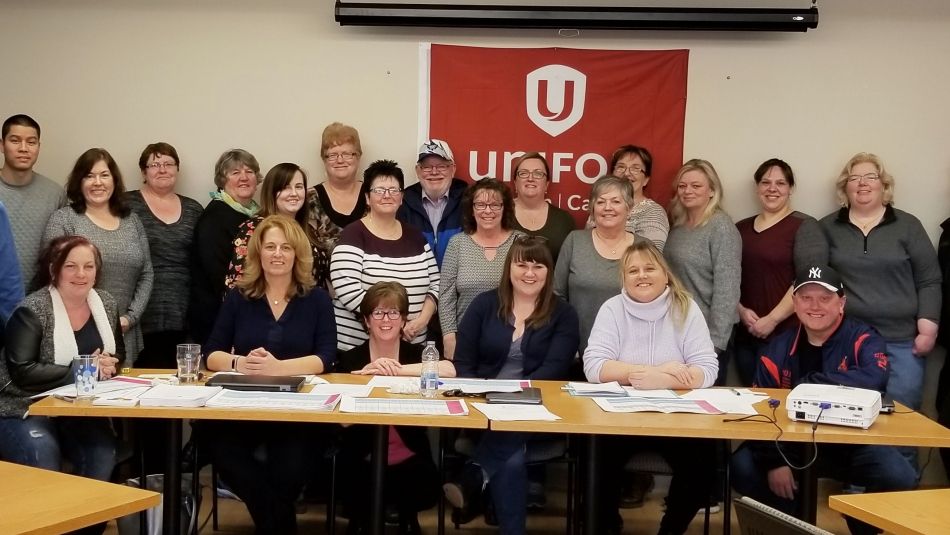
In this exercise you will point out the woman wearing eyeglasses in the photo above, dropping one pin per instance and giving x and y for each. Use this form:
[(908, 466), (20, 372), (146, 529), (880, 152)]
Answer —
[(534, 215), (338, 201), (384, 312), (169, 220), (475, 257), (890, 271), (284, 192), (377, 248), (646, 218), (520, 330)]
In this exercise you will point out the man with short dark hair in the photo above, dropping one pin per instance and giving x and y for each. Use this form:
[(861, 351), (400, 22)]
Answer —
[(432, 204), (827, 348), (30, 197)]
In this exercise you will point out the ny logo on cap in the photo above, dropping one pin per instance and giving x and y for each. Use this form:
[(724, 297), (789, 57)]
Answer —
[(814, 273)]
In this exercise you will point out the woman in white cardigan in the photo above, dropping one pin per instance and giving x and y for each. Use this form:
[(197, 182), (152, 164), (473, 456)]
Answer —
[(653, 336), (65, 318)]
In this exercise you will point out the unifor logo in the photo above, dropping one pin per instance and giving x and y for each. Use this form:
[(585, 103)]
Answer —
[(814, 273), (555, 97)]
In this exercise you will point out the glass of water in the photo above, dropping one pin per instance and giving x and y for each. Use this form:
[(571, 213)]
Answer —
[(189, 360), (86, 376)]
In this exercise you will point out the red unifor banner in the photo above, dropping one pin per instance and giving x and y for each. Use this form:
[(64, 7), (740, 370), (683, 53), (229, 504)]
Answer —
[(575, 106)]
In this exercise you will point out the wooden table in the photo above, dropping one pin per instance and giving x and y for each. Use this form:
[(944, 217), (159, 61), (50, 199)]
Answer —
[(33, 500), (912, 512), (174, 415), (582, 416)]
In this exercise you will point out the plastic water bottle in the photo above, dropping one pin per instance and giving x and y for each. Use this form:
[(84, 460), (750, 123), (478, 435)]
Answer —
[(429, 379)]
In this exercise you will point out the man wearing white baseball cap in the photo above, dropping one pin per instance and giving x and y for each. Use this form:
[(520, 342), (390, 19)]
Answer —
[(827, 348), (433, 204)]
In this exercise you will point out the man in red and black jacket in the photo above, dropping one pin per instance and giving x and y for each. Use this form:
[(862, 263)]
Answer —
[(827, 348)]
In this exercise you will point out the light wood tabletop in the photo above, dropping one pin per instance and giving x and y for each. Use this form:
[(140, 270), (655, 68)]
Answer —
[(912, 512), (33, 500), (57, 407), (582, 415)]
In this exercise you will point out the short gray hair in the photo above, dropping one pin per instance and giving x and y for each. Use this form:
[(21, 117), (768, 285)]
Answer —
[(231, 159), (608, 182)]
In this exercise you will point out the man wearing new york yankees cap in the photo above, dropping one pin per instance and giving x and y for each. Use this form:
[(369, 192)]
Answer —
[(827, 348), (433, 204)]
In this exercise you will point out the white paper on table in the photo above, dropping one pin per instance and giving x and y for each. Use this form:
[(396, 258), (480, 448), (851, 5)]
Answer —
[(666, 406), (177, 396), (273, 400), (102, 387), (316, 380), (326, 389), (650, 394), (511, 412), (389, 381), (725, 399), (164, 375), (481, 386), (429, 407), (128, 397), (585, 389)]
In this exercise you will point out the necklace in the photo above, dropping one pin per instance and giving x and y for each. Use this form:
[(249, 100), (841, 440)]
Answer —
[(607, 243), (866, 224)]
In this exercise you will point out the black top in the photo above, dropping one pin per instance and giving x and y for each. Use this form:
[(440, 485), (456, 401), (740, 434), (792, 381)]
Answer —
[(211, 251), (87, 338), (340, 219)]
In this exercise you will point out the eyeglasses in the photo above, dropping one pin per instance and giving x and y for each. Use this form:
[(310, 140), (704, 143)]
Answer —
[(524, 174), (621, 170), (870, 177), (337, 156), (493, 206), (459, 393), (439, 168), (381, 192), (161, 165), (105, 175), (390, 313)]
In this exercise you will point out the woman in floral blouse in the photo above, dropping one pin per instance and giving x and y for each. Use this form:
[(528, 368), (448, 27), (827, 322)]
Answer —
[(284, 192)]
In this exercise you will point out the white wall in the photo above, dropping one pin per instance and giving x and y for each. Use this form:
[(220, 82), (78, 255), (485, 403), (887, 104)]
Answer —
[(207, 75)]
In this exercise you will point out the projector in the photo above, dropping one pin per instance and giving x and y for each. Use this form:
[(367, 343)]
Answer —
[(838, 405)]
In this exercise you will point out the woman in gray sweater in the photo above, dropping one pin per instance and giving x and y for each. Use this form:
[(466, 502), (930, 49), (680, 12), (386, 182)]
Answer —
[(97, 211), (890, 271), (705, 251)]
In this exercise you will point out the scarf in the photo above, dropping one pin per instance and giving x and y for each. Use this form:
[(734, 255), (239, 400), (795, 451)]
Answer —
[(64, 339), (250, 210)]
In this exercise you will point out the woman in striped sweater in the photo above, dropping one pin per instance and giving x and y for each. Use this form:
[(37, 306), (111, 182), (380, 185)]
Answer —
[(379, 248)]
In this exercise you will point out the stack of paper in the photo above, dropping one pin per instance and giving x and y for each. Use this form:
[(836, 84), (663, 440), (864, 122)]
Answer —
[(484, 386), (177, 396), (274, 400), (599, 390), (128, 397), (655, 405), (431, 407), (728, 400), (506, 412)]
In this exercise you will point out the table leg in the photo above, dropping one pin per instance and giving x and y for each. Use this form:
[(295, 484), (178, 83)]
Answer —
[(441, 511), (171, 503), (591, 497), (809, 492), (727, 489), (377, 472)]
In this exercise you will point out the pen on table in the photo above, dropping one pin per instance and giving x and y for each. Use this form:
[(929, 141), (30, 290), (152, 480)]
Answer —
[(70, 399), (734, 391)]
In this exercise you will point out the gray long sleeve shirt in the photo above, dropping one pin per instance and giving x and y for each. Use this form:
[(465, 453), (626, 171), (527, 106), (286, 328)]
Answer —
[(891, 276), (708, 259)]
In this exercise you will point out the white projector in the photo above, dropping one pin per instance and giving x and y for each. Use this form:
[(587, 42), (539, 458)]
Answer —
[(839, 405)]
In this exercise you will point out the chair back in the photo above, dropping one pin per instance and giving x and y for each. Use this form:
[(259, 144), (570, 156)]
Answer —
[(756, 518)]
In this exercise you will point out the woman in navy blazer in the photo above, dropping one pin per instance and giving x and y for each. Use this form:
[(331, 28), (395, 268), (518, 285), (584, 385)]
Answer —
[(519, 331)]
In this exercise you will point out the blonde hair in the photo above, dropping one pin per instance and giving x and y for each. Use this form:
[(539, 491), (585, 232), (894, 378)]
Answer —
[(678, 213), (681, 298), (253, 285), (887, 181)]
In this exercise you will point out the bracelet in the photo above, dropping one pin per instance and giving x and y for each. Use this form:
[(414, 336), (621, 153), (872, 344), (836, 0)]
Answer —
[(234, 361)]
